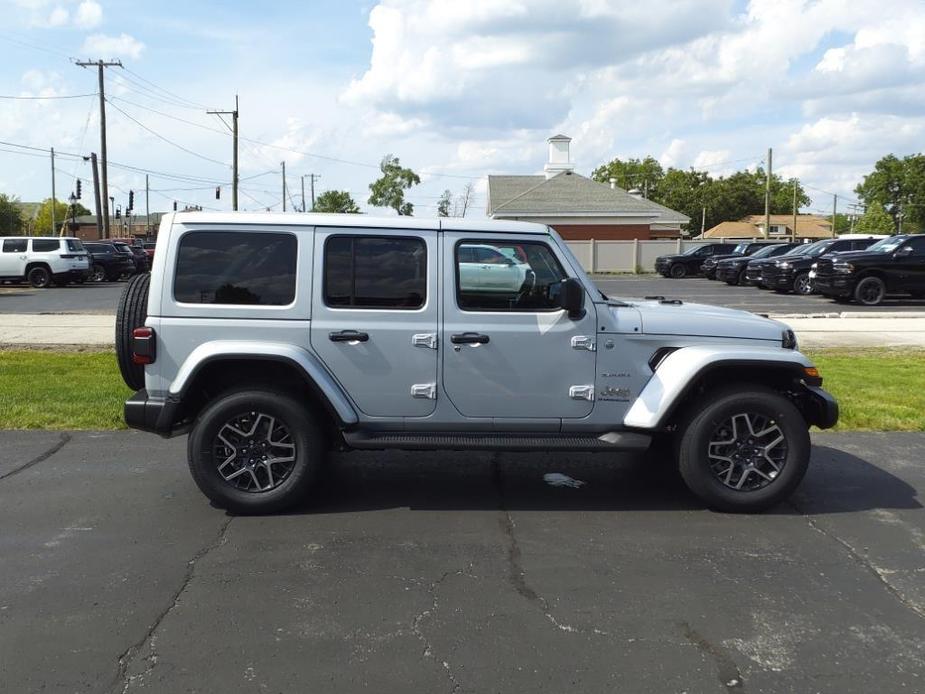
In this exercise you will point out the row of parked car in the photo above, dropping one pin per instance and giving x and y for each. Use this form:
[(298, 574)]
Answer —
[(43, 261), (853, 267)]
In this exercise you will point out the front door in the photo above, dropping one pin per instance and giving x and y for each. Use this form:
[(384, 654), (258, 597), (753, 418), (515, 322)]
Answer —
[(508, 350), (13, 257), (908, 267), (374, 316)]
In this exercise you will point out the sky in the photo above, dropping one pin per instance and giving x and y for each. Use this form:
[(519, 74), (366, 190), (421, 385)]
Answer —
[(456, 89)]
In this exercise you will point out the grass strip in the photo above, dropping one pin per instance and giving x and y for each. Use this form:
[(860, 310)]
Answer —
[(877, 389)]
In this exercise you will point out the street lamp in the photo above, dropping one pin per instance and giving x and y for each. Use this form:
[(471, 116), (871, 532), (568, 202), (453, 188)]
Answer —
[(73, 200)]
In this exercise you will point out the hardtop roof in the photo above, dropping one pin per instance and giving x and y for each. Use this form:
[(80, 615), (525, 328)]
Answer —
[(317, 219)]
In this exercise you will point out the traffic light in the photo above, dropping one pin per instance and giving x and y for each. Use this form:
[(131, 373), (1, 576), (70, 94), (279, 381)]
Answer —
[(174, 205), (119, 212), (131, 199), (78, 189), (218, 192)]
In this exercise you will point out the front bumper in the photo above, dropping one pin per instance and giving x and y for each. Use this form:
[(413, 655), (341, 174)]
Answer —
[(820, 408), (725, 274), (777, 279), (156, 415), (834, 285)]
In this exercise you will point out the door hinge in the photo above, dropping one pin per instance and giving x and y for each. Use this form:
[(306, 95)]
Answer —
[(583, 342), (581, 392), (428, 340), (424, 391)]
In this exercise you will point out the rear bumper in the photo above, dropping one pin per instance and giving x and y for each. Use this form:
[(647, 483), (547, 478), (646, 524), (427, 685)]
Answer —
[(821, 408), (156, 415), (71, 275)]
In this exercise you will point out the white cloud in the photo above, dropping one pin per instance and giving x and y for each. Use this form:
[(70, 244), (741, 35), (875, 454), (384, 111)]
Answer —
[(58, 17), (89, 14), (105, 46)]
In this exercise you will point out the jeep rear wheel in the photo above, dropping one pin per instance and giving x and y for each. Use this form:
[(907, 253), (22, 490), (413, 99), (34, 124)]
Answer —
[(97, 274), (746, 451), (678, 271), (254, 451), (802, 284)]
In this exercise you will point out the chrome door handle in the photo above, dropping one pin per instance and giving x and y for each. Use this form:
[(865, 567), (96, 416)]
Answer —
[(469, 339), (348, 336)]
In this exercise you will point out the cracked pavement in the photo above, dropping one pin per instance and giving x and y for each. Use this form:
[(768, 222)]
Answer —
[(456, 572)]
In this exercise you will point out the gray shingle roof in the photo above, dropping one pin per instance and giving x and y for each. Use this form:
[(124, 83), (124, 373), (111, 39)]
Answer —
[(568, 193)]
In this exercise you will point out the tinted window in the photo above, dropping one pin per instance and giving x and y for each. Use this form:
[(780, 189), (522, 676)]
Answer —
[(519, 277), (74, 245), (375, 272), (14, 246), (45, 245), (225, 267), (99, 248), (917, 244)]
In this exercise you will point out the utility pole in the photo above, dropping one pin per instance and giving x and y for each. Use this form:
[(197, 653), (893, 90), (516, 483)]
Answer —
[(283, 164), (767, 198), (96, 195), (303, 193), (53, 220), (312, 178), (234, 154), (900, 218), (100, 64), (703, 221), (147, 208), (834, 211), (794, 237)]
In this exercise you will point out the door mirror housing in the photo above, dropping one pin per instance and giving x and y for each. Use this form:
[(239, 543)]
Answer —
[(571, 297), (903, 252)]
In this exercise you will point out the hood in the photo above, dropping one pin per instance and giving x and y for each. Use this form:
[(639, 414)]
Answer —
[(725, 256), (848, 255), (707, 321), (671, 256), (733, 260)]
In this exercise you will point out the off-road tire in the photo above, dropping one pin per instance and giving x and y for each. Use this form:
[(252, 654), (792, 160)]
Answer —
[(678, 271), (131, 314), (870, 291), (306, 434), (701, 427), (39, 277)]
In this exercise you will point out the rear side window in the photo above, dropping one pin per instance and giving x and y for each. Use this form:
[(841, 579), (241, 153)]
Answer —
[(375, 272), (45, 245), (74, 245), (14, 246), (240, 268)]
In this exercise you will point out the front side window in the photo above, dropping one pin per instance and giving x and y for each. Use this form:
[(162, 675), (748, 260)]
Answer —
[(375, 272), (14, 245), (234, 267), (45, 245), (506, 276), (917, 244)]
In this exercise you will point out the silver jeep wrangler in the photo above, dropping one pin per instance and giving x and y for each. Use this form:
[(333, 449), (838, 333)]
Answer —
[(272, 339)]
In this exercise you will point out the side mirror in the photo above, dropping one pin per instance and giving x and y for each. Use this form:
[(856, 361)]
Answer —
[(571, 297), (903, 252)]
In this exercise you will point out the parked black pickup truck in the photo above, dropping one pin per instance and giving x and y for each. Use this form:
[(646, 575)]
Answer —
[(732, 270), (895, 265), (679, 265), (107, 263), (791, 273), (743, 249)]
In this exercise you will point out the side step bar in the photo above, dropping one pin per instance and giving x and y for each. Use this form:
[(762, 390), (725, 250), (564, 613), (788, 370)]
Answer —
[(499, 441)]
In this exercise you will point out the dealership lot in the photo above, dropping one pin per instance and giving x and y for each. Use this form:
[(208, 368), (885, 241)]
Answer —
[(457, 572)]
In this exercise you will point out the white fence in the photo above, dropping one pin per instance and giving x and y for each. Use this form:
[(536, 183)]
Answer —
[(632, 256)]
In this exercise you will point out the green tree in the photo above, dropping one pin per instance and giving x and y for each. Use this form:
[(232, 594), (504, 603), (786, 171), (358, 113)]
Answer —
[(644, 174), (336, 201), (63, 213), (899, 186), (389, 189), (11, 221), (443, 204), (875, 220)]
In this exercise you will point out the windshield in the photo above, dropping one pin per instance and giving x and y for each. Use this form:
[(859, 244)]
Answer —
[(798, 250), (764, 252), (692, 250), (887, 245)]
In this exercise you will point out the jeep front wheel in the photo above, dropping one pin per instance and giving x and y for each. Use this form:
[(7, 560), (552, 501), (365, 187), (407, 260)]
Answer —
[(254, 451), (678, 271), (746, 451), (870, 291)]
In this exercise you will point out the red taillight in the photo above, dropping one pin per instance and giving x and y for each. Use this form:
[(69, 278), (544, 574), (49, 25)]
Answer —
[(143, 351)]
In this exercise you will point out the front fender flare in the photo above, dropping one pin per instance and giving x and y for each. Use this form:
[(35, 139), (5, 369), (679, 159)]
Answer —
[(302, 359), (680, 369)]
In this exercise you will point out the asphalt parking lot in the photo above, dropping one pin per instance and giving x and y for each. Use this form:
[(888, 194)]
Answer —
[(103, 298), (457, 573)]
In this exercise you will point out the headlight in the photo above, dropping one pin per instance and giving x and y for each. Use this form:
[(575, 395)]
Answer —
[(814, 266), (783, 264), (843, 268)]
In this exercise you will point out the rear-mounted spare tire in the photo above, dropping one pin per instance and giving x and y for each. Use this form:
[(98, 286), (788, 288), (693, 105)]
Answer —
[(132, 312)]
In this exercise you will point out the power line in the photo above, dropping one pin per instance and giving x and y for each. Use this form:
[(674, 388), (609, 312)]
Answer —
[(167, 115), (165, 139), (166, 91), (41, 98)]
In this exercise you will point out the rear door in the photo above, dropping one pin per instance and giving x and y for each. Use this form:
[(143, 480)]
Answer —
[(374, 316), (13, 254)]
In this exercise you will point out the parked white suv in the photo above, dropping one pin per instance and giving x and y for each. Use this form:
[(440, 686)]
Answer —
[(43, 260)]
